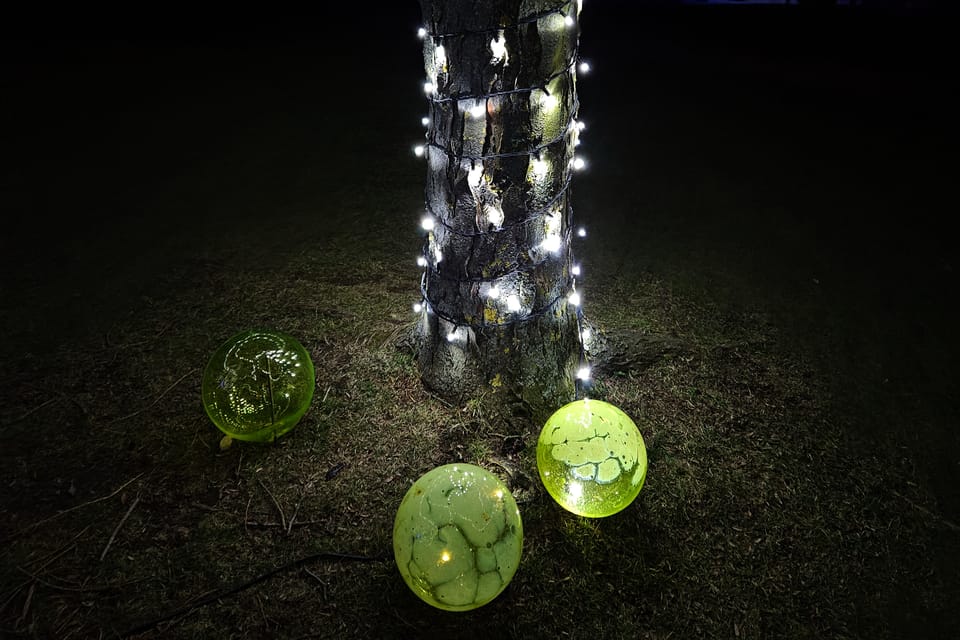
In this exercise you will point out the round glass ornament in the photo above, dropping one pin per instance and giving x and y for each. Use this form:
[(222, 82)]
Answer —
[(457, 537), (591, 458), (257, 385)]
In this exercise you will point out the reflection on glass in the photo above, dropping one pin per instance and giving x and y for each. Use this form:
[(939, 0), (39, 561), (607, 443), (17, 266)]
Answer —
[(257, 385)]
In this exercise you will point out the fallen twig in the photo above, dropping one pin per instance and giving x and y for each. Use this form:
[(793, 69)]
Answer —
[(32, 411), (283, 518), (82, 588), (13, 594), (155, 400), (242, 586), (120, 524), (293, 518), (26, 605), (271, 525), (53, 555), (74, 508)]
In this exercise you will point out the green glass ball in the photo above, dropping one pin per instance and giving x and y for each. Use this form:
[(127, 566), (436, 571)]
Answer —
[(591, 458), (457, 537), (257, 385)]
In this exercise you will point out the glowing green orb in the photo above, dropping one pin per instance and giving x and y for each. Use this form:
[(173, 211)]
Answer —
[(257, 385), (591, 458), (457, 537)]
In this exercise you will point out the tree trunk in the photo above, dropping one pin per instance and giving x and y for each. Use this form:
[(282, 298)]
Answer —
[(501, 85)]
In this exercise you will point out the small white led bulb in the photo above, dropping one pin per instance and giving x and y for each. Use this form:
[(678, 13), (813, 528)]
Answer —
[(419, 150), (513, 303), (428, 223), (552, 244), (574, 299)]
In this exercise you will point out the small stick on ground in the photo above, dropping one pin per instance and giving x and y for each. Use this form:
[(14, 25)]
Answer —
[(14, 592), (26, 605), (120, 524), (53, 555), (242, 586), (283, 518), (155, 400), (31, 412), (74, 508), (296, 510)]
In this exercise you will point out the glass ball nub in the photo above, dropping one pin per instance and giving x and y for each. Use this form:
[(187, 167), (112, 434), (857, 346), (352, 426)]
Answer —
[(257, 385)]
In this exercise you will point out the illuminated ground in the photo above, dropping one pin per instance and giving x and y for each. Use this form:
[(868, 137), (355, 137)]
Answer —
[(772, 200)]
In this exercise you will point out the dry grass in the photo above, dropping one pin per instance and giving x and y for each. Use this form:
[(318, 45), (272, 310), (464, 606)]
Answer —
[(761, 515)]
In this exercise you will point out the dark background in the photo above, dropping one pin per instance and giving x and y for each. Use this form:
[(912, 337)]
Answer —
[(795, 160)]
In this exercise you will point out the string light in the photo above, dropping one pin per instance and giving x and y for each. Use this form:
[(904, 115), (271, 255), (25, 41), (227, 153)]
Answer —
[(506, 288), (498, 47), (548, 102), (440, 55)]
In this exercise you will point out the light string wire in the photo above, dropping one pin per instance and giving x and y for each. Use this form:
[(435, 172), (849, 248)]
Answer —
[(512, 154), (500, 275), (431, 269), (507, 92), (536, 215)]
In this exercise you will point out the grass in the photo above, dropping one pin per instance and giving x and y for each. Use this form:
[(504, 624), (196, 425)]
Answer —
[(785, 497)]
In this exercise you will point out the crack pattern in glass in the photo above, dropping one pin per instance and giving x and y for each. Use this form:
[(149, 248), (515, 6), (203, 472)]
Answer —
[(591, 458), (257, 385), (457, 537)]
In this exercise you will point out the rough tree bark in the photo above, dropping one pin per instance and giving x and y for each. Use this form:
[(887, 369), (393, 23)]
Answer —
[(497, 261)]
